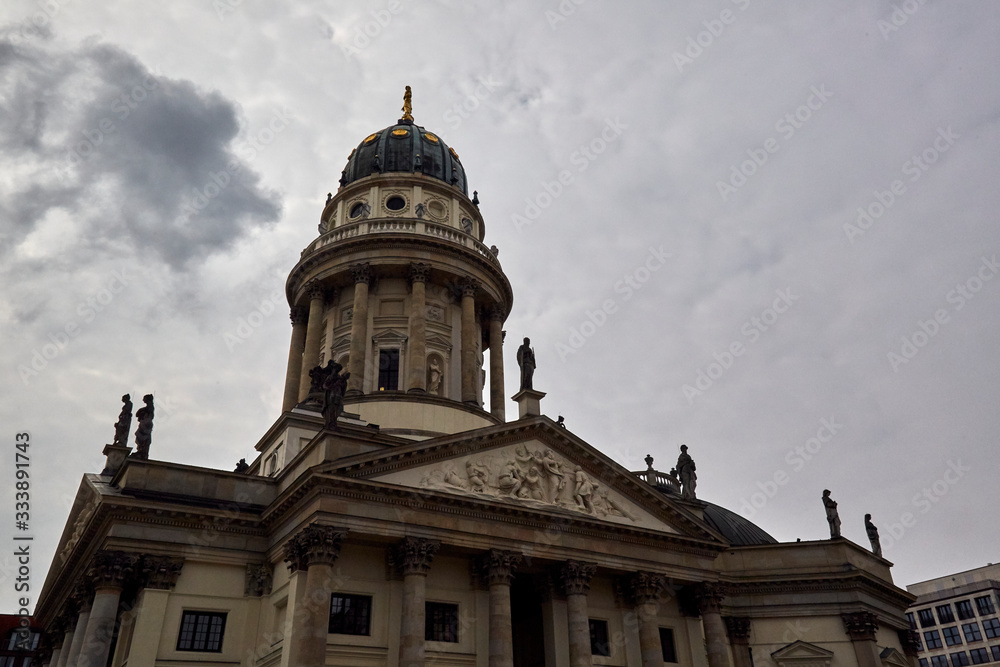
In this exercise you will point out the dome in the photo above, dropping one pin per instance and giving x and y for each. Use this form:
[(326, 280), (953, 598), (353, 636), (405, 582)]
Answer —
[(737, 529), (405, 148)]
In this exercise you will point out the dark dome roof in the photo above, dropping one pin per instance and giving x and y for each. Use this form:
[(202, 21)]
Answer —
[(405, 147), (738, 530)]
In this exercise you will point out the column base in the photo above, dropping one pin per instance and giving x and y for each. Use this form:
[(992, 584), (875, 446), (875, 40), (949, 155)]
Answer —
[(529, 402)]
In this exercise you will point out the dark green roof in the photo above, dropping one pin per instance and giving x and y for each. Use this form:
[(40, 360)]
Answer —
[(738, 530), (407, 148)]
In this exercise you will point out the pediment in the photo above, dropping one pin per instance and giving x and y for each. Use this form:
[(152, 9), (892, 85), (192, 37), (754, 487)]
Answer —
[(802, 654), (531, 466), (389, 336), (439, 342), (893, 658)]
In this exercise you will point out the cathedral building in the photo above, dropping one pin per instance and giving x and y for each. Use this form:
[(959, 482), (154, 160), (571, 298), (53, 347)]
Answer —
[(394, 514)]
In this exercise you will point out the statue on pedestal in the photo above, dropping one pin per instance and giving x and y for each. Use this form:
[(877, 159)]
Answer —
[(832, 516), (873, 536), (124, 423), (686, 473), (526, 360), (144, 432), (328, 380)]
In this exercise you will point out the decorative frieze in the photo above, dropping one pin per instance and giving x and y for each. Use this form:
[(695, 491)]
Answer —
[(312, 545)]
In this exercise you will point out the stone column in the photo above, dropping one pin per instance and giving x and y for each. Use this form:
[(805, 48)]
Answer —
[(470, 370), (709, 597), (293, 372), (66, 642), (738, 629), (362, 275), (645, 589), (862, 627), (81, 599), (910, 641), (314, 331), (413, 558), (497, 397), (497, 569), (109, 572), (417, 381), (159, 575), (314, 549), (575, 577), (73, 651)]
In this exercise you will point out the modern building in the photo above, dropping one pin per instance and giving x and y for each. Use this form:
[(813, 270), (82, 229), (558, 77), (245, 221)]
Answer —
[(18, 642), (422, 526), (956, 616)]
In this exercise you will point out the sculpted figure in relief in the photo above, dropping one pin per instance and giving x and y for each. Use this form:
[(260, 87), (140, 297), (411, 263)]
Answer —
[(508, 479), (477, 477), (582, 490)]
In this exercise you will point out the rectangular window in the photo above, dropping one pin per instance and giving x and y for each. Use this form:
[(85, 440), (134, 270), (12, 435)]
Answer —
[(995, 650), (960, 659), (926, 618), (951, 636), (932, 639), (979, 656), (441, 622), (965, 610), (599, 644), (350, 614), (939, 661), (971, 632), (667, 645), (985, 606), (912, 620), (992, 628), (7, 661), (201, 631), (944, 614), (924, 663), (388, 370)]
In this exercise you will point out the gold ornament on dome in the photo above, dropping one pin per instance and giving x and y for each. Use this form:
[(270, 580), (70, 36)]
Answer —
[(430, 137), (454, 154), (407, 105), (400, 132), (370, 138)]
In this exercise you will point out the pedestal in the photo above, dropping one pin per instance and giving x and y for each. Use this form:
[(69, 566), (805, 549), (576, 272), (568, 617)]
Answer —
[(529, 403)]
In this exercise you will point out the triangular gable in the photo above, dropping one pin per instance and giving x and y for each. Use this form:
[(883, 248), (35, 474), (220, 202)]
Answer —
[(802, 654), (535, 465), (893, 658)]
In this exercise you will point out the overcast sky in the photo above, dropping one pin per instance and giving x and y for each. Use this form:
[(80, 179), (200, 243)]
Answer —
[(766, 232)]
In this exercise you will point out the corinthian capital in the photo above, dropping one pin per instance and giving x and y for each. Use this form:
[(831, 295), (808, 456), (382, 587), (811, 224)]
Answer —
[(361, 273), (860, 625), (414, 555), (313, 544), (645, 587), (112, 569), (498, 566), (575, 576)]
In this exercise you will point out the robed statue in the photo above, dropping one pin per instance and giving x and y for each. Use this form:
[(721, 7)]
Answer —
[(526, 360), (144, 432), (329, 381), (686, 473), (832, 515), (124, 423)]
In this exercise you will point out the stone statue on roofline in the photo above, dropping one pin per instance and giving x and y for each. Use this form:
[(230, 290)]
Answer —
[(124, 423), (144, 432), (832, 516), (873, 536), (526, 360), (686, 474), (333, 384)]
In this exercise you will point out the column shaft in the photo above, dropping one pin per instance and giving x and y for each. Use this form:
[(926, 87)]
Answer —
[(649, 634), (501, 632), (293, 372), (359, 334), (715, 638), (73, 652), (314, 331), (417, 348), (579, 630), (100, 628), (411, 636), (497, 395), (67, 643), (469, 367), (309, 635)]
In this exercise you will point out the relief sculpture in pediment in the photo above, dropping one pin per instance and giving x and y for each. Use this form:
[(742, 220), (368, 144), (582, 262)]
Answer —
[(536, 477)]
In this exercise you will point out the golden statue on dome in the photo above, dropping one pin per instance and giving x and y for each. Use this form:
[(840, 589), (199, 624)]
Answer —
[(407, 106)]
